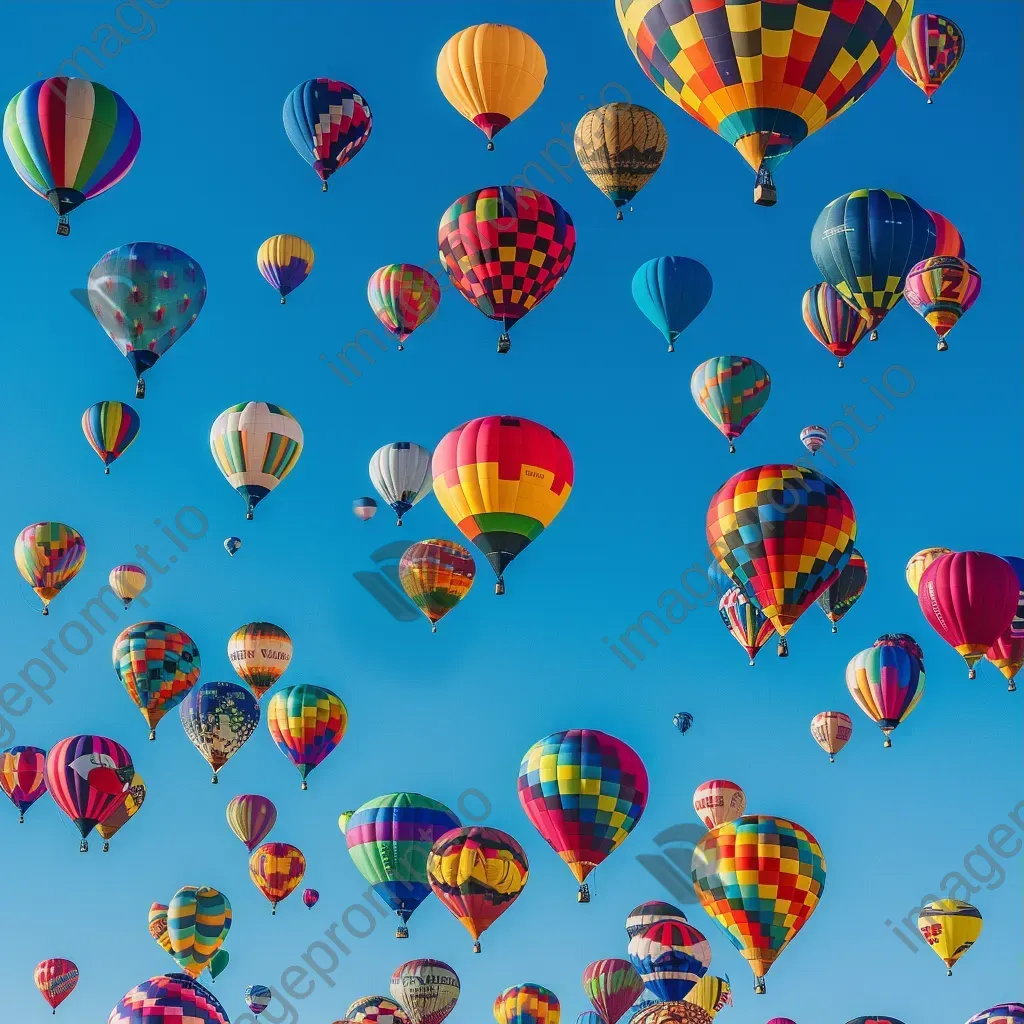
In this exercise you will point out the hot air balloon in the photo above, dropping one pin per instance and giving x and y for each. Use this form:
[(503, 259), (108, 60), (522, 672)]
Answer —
[(389, 840), (866, 242), (831, 731), (745, 621), (22, 776), (48, 556), (255, 446), (763, 91), (1007, 654), (110, 428), (948, 241), (919, 562), (682, 720), (198, 922), (285, 262), (711, 994), (88, 778), (887, 682), (506, 248), (232, 544), (875, 1018), (364, 508), (401, 471), (670, 957), (403, 297), (258, 998), (70, 139), (260, 652), (157, 664), (328, 123), (121, 814), (612, 986), (833, 321), (276, 869), (620, 146), (307, 723), (527, 1003), (583, 791), (375, 1010), (760, 877), (718, 801), (218, 963), (903, 640), (168, 999), (251, 817), (672, 291), (491, 74), (930, 51), (942, 289), (310, 898), (426, 989), (970, 599), (786, 1020), (158, 926), (782, 533), (127, 582), (436, 575), (590, 1017), (641, 918), (1006, 1013), (218, 718), (730, 391), (680, 1012), (845, 590), (477, 873), (56, 980), (501, 480), (813, 438), (146, 295), (1017, 625), (950, 927)]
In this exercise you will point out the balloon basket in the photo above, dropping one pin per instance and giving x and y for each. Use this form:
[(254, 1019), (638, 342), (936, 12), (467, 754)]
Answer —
[(835, 629), (583, 896), (83, 846), (273, 910), (490, 147), (248, 513), (751, 662), (304, 785), (887, 743), (433, 627), (152, 734), (783, 648), (671, 347), (476, 947), (831, 759), (841, 364), (106, 846), (732, 448), (972, 674), (499, 587), (759, 986), (401, 347), (324, 189), (63, 227), (942, 346), (21, 818), (140, 388), (504, 344), (401, 932), (1011, 687), (46, 611), (399, 523), (618, 215), (214, 780), (106, 471), (873, 336)]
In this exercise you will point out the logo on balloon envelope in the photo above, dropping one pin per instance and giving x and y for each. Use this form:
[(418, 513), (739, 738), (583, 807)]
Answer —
[(384, 586), (672, 866)]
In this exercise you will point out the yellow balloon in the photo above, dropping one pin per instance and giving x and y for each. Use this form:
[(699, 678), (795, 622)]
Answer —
[(917, 565), (710, 994), (950, 927), (491, 74)]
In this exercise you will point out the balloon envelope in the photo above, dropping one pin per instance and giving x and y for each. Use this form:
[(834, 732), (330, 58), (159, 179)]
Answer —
[(22, 776), (831, 731), (718, 801), (56, 980), (260, 652), (198, 922), (284, 261), (730, 391), (833, 321), (930, 51), (436, 575), (426, 989), (218, 718), (887, 682), (110, 428), (276, 869), (641, 918), (328, 123), (612, 986), (950, 927), (251, 817), (401, 472), (403, 297), (672, 291), (48, 556), (173, 998), (670, 957), (307, 723), (527, 1003)]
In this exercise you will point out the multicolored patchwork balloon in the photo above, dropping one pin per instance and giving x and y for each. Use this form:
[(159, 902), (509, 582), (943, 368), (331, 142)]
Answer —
[(403, 297), (845, 590), (1005, 1013), (730, 391), (48, 556), (833, 321), (157, 664), (56, 979), (218, 718), (584, 791), (307, 723), (502, 480), (276, 869), (168, 999), (672, 291), (436, 575), (284, 261), (375, 1010), (389, 840), (70, 140), (745, 621), (22, 777), (942, 289), (505, 249), (760, 877), (612, 986), (426, 989), (831, 731), (527, 1003), (146, 295), (930, 51), (198, 922), (251, 817), (110, 428), (887, 682), (477, 873), (328, 123)]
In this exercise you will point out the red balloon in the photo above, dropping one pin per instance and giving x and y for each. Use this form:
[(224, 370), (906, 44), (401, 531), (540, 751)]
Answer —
[(969, 598), (56, 980)]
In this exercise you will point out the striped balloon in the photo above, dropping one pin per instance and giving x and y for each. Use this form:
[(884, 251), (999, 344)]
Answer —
[(198, 921), (260, 652), (436, 575), (276, 869), (401, 473), (285, 262), (1004, 1013), (168, 999), (845, 590), (70, 139), (48, 556), (670, 957), (110, 428), (948, 240), (640, 918), (56, 980), (527, 1003), (833, 321), (730, 391), (21, 776), (813, 438), (127, 582), (887, 682), (88, 778), (745, 621), (157, 924), (930, 51), (258, 998), (251, 817), (711, 994), (307, 723), (403, 297), (942, 289), (612, 986)]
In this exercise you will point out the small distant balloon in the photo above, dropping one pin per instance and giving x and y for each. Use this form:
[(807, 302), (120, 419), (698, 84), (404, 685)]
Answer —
[(285, 262), (403, 297), (364, 508), (942, 289), (310, 897), (110, 428), (232, 544), (831, 731), (682, 720), (48, 556), (813, 438), (258, 998), (127, 582)]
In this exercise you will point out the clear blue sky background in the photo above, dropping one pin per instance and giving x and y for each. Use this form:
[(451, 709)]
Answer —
[(437, 714)]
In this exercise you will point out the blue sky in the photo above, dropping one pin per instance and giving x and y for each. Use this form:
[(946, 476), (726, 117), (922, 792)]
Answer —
[(456, 711)]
